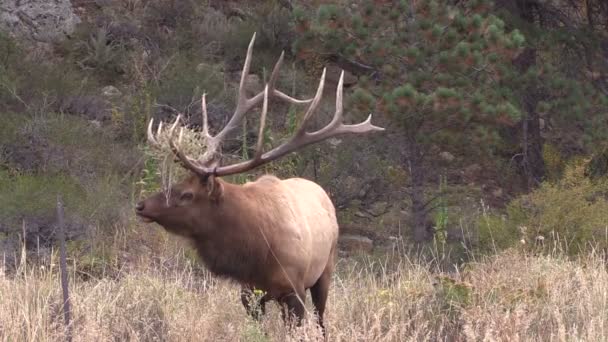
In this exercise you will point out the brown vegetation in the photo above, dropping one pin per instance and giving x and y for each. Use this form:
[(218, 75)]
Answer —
[(508, 297)]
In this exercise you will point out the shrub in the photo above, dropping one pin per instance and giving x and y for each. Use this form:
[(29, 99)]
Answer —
[(495, 232), (61, 155), (31, 81), (570, 213), (185, 81)]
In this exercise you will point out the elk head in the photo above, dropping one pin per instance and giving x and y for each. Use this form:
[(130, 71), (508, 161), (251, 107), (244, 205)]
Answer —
[(189, 206)]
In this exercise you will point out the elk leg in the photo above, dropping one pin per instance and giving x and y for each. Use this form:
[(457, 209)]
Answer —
[(319, 292), (293, 307), (256, 309)]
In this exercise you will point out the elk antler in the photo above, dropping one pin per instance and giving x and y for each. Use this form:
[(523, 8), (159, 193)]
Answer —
[(207, 164)]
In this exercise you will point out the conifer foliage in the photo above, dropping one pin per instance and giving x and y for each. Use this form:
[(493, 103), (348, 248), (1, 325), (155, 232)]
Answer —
[(436, 70)]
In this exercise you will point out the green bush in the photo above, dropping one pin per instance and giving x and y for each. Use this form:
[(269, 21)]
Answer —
[(80, 148), (35, 196), (36, 82), (8, 129), (495, 232), (185, 80), (569, 214), (83, 164)]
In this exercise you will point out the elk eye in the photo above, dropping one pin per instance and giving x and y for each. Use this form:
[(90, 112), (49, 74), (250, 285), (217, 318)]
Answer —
[(186, 196)]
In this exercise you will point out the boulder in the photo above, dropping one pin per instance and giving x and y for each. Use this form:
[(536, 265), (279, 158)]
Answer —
[(110, 91), (447, 156), (334, 142), (39, 20), (498, 192)]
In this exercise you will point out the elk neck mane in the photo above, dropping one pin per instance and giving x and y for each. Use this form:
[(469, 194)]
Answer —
[(235, 248)]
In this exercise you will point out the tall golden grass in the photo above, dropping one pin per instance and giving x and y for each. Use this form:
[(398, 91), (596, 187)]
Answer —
[(507, 297)]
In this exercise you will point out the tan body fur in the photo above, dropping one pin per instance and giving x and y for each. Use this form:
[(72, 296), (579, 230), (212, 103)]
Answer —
[(275, 235), (299, 224)]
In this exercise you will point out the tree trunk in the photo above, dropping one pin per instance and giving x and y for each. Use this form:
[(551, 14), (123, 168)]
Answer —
[(532, 141), (532, 144), (419, 218)]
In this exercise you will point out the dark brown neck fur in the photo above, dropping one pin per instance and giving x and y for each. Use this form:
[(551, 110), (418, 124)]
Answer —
[(234, 247)]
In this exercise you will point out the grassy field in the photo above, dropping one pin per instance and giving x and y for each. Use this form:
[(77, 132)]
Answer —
[(508, 297)]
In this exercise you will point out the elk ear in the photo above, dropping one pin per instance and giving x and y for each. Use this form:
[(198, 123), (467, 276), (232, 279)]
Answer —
[(215, 188)]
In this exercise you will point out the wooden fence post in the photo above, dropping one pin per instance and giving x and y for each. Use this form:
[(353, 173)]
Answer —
[(63, 269)]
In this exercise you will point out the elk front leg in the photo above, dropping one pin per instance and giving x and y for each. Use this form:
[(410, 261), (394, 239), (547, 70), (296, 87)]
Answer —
[(293, 307), (253, 303)]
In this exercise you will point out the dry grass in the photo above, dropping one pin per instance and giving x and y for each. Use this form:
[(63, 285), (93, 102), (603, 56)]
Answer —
[(508, 297)]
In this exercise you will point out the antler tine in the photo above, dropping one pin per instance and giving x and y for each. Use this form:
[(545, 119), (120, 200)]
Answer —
[(160, 127), (151, 138), (337, 119), (303, 138), (206, 164), (313, 106), (339, 103), (244, 104), (186, 162), (205, 117), (258, 149), (272, 82), (246, 68), (336, 127)]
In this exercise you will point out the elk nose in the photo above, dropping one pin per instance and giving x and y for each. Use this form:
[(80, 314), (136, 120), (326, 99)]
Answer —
[(139, 206)]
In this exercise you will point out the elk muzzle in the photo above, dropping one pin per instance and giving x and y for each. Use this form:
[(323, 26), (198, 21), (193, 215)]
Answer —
[(140, 211)]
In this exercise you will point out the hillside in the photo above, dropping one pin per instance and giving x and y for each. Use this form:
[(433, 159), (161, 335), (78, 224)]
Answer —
[(494, 161)]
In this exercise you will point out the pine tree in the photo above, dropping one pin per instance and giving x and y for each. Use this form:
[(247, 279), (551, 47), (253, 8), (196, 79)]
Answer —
[(557, 80), (436, 70)]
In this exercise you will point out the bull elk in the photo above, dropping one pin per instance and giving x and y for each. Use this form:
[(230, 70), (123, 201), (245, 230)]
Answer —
[(276, 235)]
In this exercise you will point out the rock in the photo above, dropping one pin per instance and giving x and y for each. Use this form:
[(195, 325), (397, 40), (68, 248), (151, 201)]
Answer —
[(95, 123), (355, 243), (447, 156), (39, 20), (334, 142), (110, 91), (361, 214), (389, 245), (497, 192)]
